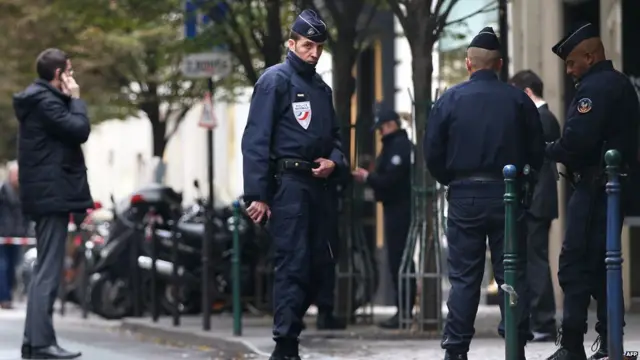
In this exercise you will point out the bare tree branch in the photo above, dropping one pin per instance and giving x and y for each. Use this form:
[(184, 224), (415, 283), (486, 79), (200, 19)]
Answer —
[(492, 6), (369, 18), (177, 122), (397, 10)]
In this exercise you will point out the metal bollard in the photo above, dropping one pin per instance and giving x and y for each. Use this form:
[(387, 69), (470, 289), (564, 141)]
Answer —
[(155, 312), (235, 263), (510, 263), (175, 276), (615, 302)]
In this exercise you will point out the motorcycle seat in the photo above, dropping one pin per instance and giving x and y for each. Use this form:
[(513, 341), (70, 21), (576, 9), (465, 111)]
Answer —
[(191, 230)]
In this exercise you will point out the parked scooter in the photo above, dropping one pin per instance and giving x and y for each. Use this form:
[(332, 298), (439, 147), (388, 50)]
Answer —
[(148, 213)]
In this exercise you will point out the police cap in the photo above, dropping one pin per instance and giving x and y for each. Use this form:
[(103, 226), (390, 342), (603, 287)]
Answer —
[(310, 25), (486, 39), (579, 34), (385, 115)]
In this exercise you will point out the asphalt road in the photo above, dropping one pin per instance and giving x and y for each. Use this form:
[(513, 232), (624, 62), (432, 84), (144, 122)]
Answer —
[(99, 340)]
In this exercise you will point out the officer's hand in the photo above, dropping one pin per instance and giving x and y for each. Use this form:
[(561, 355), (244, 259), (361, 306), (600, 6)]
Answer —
[(325, 169), (360, 174), (258, 210)]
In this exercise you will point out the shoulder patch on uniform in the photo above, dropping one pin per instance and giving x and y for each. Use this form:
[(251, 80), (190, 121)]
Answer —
[(396, 160), (584, 105)]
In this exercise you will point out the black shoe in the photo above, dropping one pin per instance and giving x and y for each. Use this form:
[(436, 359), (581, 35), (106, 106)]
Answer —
[(286, 349), (326, 321), (453, 356), (48, 352), (566, 354), (600, 348), (391, 323)]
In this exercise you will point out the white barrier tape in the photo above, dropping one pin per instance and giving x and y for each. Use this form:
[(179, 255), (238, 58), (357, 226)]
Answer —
[(23, 241)]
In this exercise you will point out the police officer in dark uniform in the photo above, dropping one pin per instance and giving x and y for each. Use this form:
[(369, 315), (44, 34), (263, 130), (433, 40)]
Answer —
[(290, 147), (391, 183), (474, 130), (602, 116)]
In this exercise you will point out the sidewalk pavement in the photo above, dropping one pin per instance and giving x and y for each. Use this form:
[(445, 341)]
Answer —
[(357, 342)]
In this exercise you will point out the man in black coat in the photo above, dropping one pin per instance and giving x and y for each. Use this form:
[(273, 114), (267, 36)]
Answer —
[(544, 208), (53, 183)]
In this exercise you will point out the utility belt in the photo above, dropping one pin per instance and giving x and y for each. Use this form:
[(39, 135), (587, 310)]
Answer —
[(291, 165), (491, 184)]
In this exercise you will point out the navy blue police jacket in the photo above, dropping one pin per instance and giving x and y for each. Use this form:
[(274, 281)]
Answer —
[(291, 116), (481, 125), (603, 115), (391, 180)]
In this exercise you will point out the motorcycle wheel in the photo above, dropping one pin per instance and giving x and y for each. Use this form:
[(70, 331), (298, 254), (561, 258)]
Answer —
[(110, 298), (189, 300)]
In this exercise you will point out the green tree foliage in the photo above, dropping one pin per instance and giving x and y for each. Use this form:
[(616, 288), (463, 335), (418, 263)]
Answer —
[(254, 31)]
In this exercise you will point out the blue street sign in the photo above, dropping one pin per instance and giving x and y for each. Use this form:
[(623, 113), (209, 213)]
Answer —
[(190, 20)]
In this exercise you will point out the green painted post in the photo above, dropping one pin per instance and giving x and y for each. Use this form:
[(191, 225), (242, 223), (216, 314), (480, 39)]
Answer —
[(510, 263), (235, 263)]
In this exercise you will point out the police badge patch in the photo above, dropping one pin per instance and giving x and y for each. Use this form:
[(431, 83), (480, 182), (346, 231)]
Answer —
[(584, 105), (302, 113), (396, 160)]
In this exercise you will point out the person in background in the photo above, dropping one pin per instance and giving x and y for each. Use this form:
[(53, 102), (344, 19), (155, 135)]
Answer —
[(12, 224), (542, 211), (391, 184), (53, 183)]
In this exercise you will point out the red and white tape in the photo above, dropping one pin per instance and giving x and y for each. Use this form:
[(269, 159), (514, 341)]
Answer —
[(22, 241)]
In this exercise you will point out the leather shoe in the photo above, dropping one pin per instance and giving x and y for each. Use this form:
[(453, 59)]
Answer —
[(48, 352)]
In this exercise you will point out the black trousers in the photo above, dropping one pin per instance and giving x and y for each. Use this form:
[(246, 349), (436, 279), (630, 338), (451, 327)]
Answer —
[(543, 305), (51, 236)]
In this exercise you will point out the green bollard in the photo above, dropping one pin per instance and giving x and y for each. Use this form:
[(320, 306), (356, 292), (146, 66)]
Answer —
[(235, 268), (510, 263)]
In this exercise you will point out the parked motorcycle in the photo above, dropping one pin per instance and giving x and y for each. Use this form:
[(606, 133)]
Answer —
[(149, 214)]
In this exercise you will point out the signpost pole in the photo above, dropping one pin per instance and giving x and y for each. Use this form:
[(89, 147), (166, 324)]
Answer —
[(208, 233), (216, 63)]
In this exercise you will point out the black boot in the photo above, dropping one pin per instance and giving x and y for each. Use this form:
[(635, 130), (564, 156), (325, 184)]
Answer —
[(286, 349), (326, 321), (600, 346), (571, 347), (454, 356)]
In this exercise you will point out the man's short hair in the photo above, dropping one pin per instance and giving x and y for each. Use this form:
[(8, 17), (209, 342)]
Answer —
[(49, 61), (294, 36), (528, 79)]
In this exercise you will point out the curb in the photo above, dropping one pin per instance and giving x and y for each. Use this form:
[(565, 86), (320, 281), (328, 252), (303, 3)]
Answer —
[(181, 337)]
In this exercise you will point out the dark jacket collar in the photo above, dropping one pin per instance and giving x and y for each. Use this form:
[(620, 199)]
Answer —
[(605, 65), (300, 66), (484, 74), (45, 84), (394, 135)]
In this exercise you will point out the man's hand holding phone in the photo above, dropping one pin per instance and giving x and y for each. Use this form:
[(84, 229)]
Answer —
[(70, 86)]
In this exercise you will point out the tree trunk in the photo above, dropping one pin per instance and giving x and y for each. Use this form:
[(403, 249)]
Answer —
[(159, 129), (422, 66), (272, 42)]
